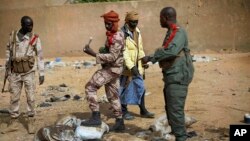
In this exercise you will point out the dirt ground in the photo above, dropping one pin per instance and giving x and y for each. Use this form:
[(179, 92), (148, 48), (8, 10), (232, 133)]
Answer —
[(218, 96)]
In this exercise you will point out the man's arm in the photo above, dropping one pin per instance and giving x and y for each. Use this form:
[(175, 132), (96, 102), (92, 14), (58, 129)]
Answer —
[(114, 51), (141, 49), (173, 48), (40, 61)]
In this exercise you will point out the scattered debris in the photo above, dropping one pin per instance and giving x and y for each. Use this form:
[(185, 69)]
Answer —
[(56, 93), (143, 134), (4, 111), (147, 93), (77, 97), (45, 104), (247, 118), (55, 133), (89, 64), (57, 63), (87, 133), (228, 50), (191, 134), (56, 99), (58, 59), (71, 121), (69, 128), (196, 58), (83, 64), (44, 93), (161, 128), (63, 85), (63, 89), (78, 64), (53, 89)]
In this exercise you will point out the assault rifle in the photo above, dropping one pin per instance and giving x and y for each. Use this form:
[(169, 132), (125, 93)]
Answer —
[(7, 70), (8, 66)]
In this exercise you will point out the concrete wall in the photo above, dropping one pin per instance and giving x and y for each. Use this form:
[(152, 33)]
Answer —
[(24, 4), (64, 29)]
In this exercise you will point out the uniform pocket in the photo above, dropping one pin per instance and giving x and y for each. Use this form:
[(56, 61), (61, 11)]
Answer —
[(174, 75), (31, 62), (15, 77), (180, 73)]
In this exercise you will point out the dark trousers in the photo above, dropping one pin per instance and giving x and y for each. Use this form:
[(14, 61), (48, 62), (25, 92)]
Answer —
[(175, 96)]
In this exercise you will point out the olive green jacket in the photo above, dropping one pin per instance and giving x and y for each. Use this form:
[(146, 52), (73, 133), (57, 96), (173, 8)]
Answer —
[(181, 71)]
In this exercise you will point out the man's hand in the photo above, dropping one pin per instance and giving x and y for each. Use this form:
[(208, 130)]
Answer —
[(145, 66), (41, 80), (89, 51), (135, 71), (145, 59)]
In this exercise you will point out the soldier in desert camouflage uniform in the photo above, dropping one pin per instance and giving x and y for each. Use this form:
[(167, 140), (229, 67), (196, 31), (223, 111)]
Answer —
[(23, 45), (112, 65)]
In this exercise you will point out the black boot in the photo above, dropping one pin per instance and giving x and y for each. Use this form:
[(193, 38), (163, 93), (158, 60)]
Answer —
[(143, 111), (119, 125), (95, 120), (125, 114)]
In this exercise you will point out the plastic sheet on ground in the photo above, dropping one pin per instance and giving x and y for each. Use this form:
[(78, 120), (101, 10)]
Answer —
[(197, 58)]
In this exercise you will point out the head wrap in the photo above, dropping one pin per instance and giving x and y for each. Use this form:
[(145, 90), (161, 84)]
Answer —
[(131, 16), (111, 16)]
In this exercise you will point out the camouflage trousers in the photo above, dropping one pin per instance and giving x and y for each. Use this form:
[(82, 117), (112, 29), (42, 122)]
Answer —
[(111, 82), (16, 83)]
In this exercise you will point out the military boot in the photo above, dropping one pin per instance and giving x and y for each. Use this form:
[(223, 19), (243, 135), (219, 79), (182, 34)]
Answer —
[(119, 125), (95, 120), (143, 111), (125, 114)]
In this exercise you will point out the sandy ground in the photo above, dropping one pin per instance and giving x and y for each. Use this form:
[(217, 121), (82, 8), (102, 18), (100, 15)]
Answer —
[(218, 96)]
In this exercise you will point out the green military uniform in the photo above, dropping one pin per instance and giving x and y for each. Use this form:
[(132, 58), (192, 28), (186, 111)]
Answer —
[(177, 69)]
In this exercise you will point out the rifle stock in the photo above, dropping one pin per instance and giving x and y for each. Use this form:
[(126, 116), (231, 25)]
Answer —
[(8, 69), (5, 78)]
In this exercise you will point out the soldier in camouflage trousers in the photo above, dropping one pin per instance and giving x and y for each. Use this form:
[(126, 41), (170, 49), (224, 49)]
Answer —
[(112, 65), (21, 50)]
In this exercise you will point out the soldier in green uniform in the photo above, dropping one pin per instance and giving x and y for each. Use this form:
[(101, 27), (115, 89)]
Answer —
[(177, 68)]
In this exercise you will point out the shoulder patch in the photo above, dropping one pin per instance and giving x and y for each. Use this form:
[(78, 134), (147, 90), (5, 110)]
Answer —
[(33, 40)]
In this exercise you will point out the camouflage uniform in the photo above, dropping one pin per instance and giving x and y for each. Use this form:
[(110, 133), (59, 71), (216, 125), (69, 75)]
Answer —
[(17, 80), (108, 76)]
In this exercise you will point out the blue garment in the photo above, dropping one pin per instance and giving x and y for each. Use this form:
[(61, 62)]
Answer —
[(131, 94)]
